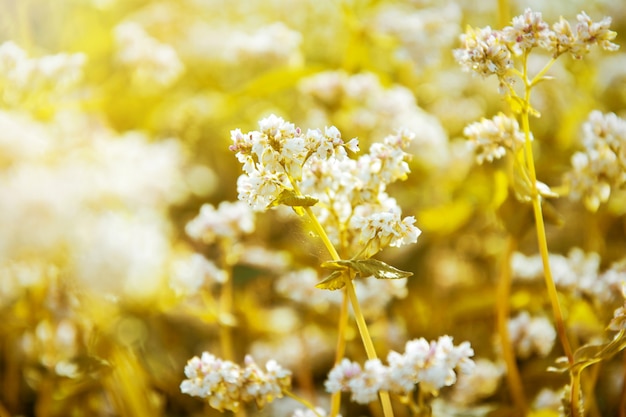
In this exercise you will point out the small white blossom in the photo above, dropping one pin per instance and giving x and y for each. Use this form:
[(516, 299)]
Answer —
[(531, 335), (228, 222)]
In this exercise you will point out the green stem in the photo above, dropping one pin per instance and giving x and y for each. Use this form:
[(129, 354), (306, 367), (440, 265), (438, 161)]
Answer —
[(360, 320), (502, 311), (541, 231), (335, 402), (540, 226), (302, 401)]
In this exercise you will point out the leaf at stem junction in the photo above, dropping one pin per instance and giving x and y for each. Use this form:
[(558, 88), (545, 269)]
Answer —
[(367, 267)]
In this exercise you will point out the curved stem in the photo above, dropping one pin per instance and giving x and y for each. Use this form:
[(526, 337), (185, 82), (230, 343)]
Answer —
[(502, 312), (302, 401), (541, 234), (335, 402)]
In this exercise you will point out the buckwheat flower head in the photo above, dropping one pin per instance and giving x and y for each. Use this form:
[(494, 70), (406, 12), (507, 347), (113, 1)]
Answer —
[(153, 64), (49, 76), (212, 378), (226, 385), (590, 33), (432, 365), (492, 138), (366, 385), (261, 386), (485, 52), (531, 335), (229, 222), (602, 164), (479, 384), (340, 376), (275, 155), (527, 31), (380, 230), (191, 272)]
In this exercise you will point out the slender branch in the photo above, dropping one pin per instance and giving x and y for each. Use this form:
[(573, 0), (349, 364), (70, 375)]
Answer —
[(504, 289), (362, 326), (302, 401)]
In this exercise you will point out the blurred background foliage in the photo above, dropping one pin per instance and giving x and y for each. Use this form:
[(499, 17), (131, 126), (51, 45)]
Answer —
[(98, 180)]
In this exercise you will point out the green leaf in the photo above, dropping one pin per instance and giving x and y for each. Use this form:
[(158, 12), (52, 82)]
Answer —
[(289, 198), (589, 354), (332, 282), (367, 267)]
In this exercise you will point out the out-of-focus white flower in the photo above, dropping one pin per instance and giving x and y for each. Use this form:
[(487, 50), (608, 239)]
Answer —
[(228, 222), (602, 164), (26, 82), (191, 272), (531, 335), (153, 64), (365, 105), (478, 385)]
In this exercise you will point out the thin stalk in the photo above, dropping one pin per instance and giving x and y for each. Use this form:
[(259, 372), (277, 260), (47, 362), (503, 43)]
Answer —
[(226, 298), (622, 401), (335, 402), (302, 401), (502, 313), (542, 240), (360, 320)]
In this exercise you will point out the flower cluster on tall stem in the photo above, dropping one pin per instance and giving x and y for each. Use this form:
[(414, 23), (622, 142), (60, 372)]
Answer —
[(344, 199), (504, 53)]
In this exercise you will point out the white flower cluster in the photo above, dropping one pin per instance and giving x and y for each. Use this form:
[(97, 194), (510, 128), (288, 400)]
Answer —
[(353, 204), (350, 193), (531, 335), (153, 65), (229, 222), (492, 138), (490, 52), (432, 365), (576, 273), (482, 383), (269, 46), (89, 201), (274, 157), (227, 386), (361, 102), (189, 273), (602, 164), (423, 33), (24, 80)]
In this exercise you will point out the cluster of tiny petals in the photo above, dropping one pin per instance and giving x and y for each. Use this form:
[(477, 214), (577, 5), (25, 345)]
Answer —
[(531, 335), (350, 192), (382, 229), (227, 386), (484, 52), (526, 32), (492, 138), (433, 365), (277, 153), (601, 166), (489, 52), (228, 221)]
